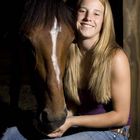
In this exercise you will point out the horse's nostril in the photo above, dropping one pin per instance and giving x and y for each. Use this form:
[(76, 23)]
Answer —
[(66, 112), (43, 116), (47, 123)]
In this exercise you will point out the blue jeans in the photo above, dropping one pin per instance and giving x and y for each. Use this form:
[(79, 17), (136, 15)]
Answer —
[(12, 133)]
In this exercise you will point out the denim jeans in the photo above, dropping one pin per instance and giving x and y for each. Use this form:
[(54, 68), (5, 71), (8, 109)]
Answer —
[(12, 133)]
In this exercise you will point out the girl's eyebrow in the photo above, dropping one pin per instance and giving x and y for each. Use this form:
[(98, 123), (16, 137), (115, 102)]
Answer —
[(82, 7), (96, 10)]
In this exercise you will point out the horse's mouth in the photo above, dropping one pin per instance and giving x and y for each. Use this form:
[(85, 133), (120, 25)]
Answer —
[(47, 127)]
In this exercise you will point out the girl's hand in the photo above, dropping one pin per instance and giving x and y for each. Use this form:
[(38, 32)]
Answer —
[(62, 129)]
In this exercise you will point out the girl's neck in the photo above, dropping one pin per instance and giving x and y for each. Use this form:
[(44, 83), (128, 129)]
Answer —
[(86, 44)]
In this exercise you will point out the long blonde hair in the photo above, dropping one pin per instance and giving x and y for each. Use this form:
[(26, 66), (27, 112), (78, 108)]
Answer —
[(100, 72)]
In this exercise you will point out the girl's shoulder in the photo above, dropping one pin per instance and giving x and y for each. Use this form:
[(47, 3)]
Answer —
[(120, 62), (119, 56)]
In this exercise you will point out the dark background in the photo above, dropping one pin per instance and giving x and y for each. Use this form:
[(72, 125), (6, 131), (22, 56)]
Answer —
[(117, 9)]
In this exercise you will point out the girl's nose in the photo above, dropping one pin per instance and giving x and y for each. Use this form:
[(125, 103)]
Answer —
[(88, 17)]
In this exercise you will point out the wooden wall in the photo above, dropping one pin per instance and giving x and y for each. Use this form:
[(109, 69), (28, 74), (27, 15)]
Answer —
[(131, 40)]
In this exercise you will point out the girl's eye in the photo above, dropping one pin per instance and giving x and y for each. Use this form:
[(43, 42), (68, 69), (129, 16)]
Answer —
[(96, 14), (82, 10)]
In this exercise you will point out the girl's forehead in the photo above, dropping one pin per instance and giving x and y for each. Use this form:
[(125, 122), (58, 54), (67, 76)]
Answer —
[(92, 4)]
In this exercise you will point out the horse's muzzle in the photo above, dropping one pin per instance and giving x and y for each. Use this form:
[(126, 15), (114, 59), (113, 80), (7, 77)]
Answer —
[(46, 126)]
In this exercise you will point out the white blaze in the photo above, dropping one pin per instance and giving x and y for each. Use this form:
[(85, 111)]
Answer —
[(54, 33)]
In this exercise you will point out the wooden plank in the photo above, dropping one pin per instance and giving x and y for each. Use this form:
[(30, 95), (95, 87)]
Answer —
[(131, 22)]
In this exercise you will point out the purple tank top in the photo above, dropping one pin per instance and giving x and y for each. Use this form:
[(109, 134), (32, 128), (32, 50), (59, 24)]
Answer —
[(89, 106)]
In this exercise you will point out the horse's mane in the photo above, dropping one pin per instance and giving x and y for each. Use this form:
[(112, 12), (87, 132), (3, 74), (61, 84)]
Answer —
[(42, 12)]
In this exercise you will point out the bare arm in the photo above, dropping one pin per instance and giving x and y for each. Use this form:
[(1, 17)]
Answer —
[(120, 91)]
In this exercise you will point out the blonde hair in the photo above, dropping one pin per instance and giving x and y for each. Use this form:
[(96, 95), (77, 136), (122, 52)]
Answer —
[(100, 72)]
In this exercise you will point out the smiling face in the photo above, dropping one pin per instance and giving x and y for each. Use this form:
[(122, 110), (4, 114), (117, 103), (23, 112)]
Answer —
[(90, 19)]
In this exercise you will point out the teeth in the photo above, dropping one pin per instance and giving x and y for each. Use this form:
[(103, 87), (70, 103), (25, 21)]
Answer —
[(86, 25)]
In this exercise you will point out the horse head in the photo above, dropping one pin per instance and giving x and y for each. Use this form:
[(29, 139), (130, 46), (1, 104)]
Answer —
[(49, 27)]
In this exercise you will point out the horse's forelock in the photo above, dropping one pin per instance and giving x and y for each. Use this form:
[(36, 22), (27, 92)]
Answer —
[(43, 12)]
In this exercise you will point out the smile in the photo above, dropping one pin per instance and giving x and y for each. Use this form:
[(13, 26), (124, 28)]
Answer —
[(86, 25)]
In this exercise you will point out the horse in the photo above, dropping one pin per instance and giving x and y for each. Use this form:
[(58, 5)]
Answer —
[(46, 26)]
